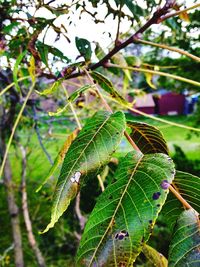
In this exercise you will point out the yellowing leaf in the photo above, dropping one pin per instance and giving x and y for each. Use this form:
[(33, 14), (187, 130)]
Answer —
[(154, 256), (184, 16), (31, 69), (60, 157), (149, 77), (59, 110)]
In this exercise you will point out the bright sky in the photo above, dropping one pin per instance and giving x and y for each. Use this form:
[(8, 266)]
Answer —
[(85, 27)]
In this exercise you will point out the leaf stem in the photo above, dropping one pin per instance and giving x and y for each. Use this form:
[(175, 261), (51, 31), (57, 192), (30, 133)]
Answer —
[(182, 79), (72, 109), (108, 108), (163, 46), (14, 128), (180, 198)]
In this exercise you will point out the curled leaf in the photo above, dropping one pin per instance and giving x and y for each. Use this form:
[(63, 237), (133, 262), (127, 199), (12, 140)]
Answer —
[(60, 157), (107, 85), (50, 90), (154, 256), (148, 138)]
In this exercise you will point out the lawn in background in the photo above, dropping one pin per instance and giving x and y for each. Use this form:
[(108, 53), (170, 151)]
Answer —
[(189, 141)]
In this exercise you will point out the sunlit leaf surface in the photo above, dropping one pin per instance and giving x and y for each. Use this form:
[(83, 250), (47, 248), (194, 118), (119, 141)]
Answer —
[(125, 213), (92, 149)]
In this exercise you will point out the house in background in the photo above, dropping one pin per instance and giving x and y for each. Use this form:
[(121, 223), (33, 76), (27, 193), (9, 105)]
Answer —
[(163, 102), (145, 103), (169, 103)]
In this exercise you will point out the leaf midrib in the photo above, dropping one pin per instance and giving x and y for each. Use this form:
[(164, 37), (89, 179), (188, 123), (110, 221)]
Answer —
[(113, 216)]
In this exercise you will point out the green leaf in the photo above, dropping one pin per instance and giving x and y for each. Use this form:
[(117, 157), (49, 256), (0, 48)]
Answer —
[(84, 48), (188, 186), (57, 11), (45, 49), (78, 92), (60, 157), (53, 88), (136, 10), (72, 98), (16, 68), (126, 211), (99, 51), (154, 256), (8, 28), (185, 243), (121, 61), (148, 138), (92, 149), (107, 86), (133, 61)]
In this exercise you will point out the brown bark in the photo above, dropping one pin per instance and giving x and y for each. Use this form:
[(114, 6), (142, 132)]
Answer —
[(14, 213), (27, 220)]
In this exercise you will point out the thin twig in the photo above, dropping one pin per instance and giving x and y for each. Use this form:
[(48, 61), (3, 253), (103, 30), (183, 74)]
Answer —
[(12, 84), (100, 182), (108, 108), (179, 78), (14, 128), (118, 25), (104, 102), (178, 12), (40, 138), (174, 49), (81, 218), (153, 20)]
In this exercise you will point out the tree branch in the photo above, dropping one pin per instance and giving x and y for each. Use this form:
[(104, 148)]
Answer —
[(27, 220)]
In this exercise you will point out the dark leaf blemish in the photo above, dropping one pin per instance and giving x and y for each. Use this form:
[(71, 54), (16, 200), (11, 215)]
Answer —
[(116, 236), (121, 235), (156, 195)]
